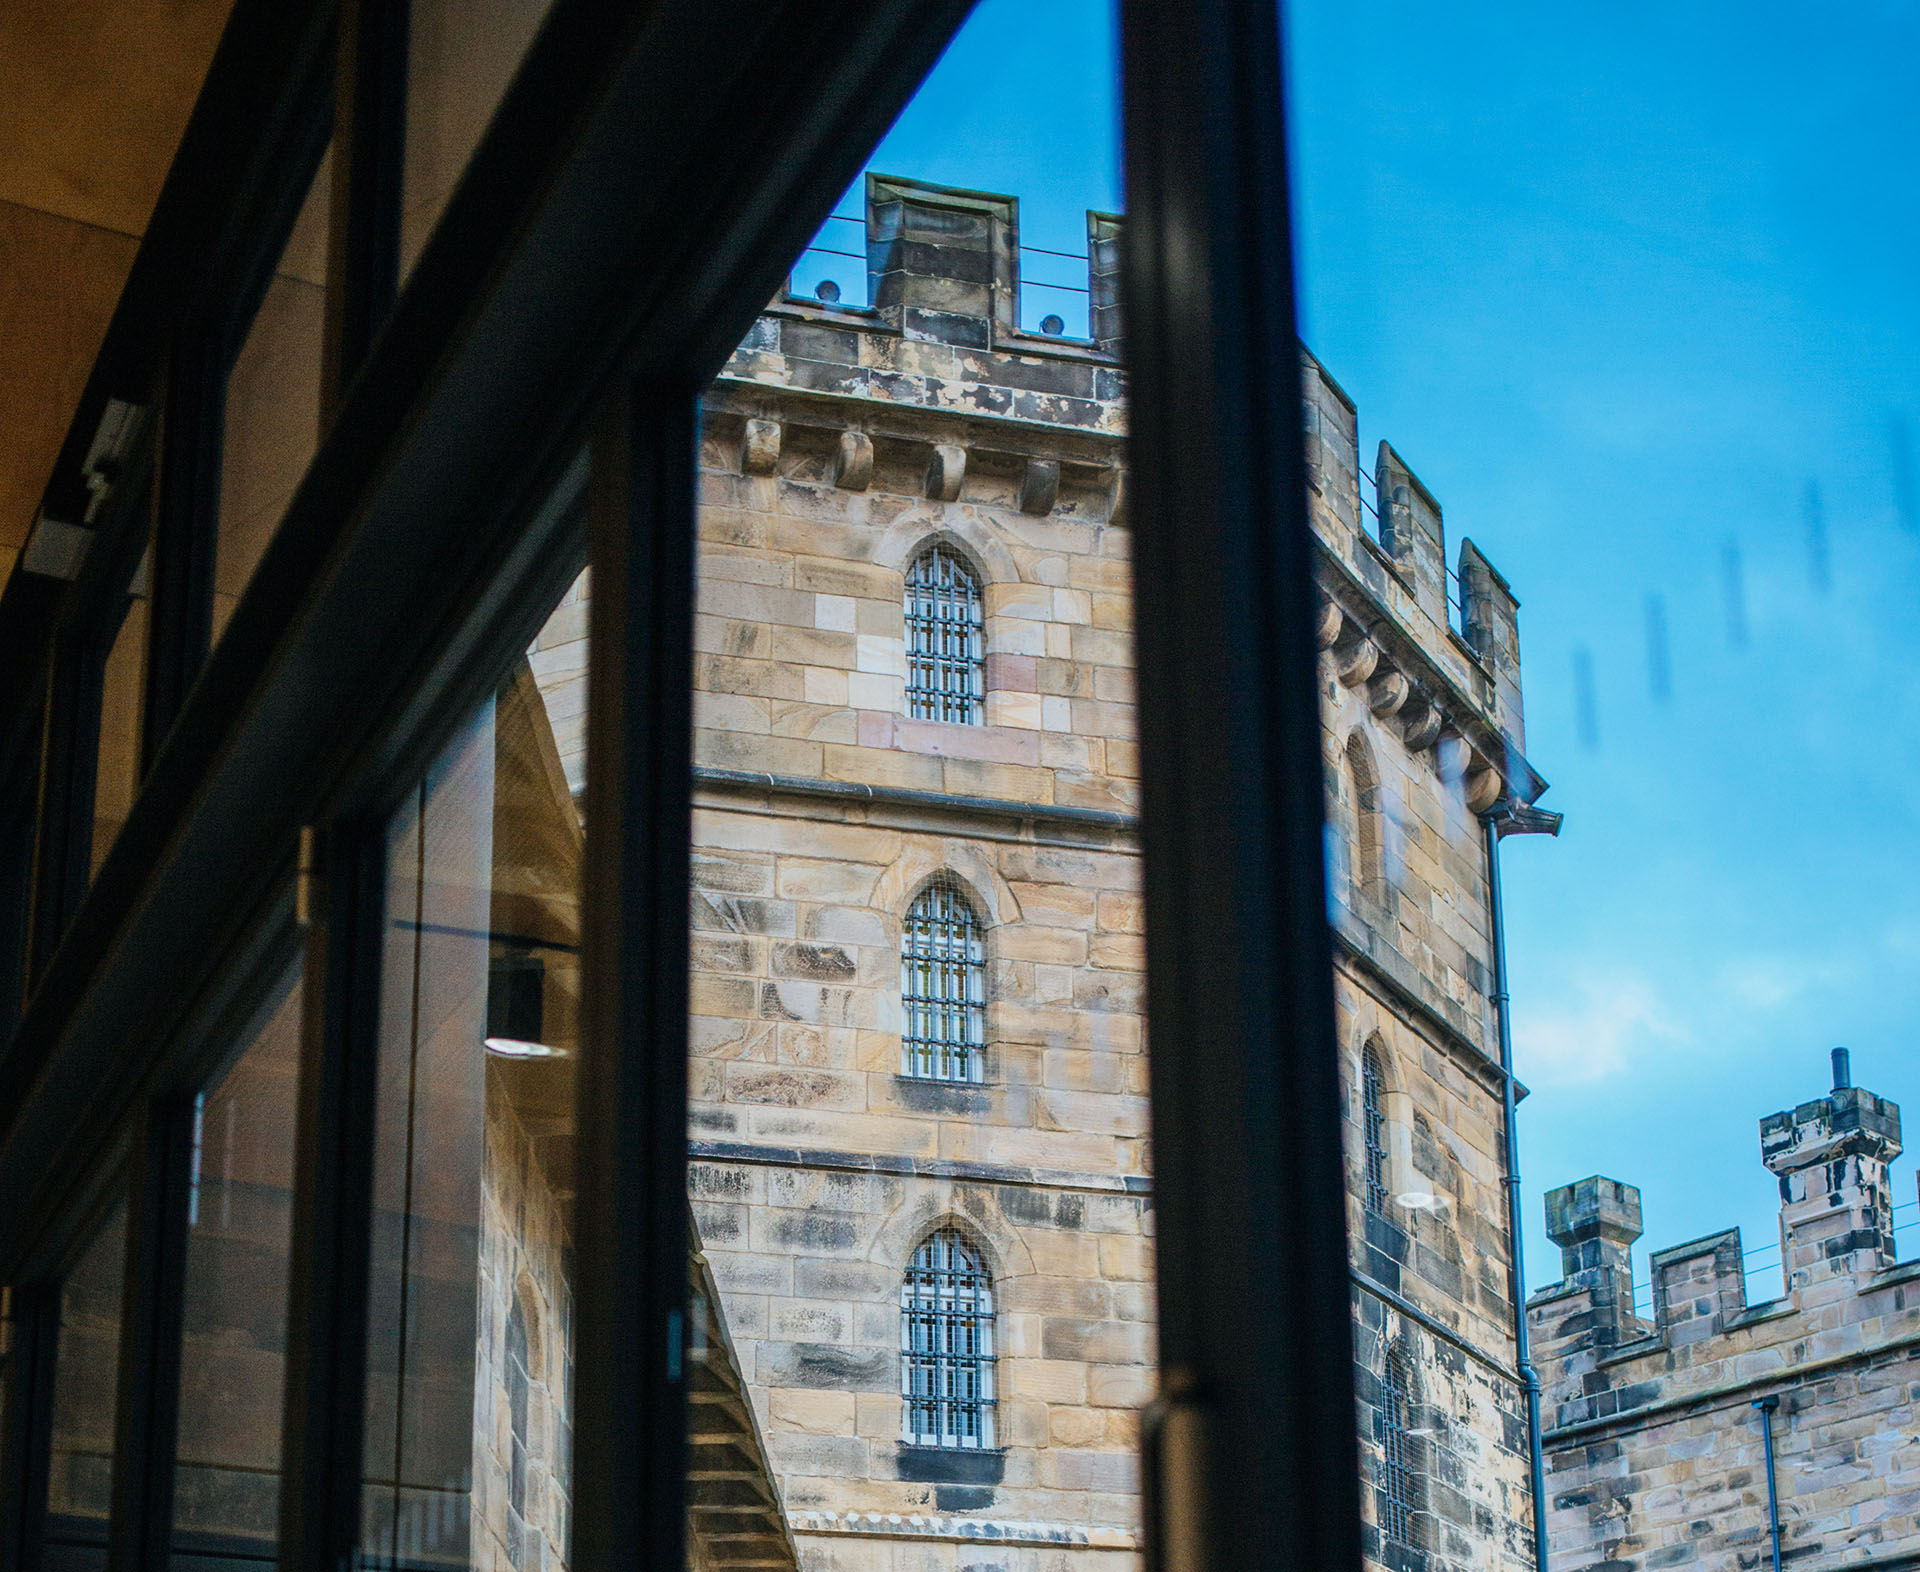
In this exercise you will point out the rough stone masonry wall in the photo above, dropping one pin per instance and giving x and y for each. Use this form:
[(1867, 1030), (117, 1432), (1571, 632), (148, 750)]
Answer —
[(1654, 1450), (835, 447)]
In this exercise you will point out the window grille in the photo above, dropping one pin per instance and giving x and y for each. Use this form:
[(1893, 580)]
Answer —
[(1398, 1497), (942, 987), (946, 1346), (946, 678), (518, 1384), (1374, 1122)]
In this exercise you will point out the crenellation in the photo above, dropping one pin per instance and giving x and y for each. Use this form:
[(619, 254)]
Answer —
[(839, 445), (1652, 1436)]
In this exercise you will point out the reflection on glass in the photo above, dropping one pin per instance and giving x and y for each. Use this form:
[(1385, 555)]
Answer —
[(460, 58), (86, 1388), (123, 687), (239, 1216), (919, 1118), (469, 1427), (273, 401), (1653, 345)]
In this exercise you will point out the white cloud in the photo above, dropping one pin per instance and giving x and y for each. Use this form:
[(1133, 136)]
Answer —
[(1600, 1027)]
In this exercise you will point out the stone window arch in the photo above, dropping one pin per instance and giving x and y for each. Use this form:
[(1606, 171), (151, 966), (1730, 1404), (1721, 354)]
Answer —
[(1400, 1488), (1373, 1128), (945, 613), (943, 985), (1368, 864), (522, 1340), (947, 1386)]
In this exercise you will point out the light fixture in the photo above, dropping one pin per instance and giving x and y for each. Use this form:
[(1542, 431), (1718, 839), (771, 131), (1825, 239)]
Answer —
[(1418, 1200), (519, 1048)]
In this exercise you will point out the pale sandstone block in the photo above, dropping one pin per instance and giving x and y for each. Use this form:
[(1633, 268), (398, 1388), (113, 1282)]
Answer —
[(881, 655), (731, 712), (834, 612), (1058, 642), (823, 1413), (1010, 636), (811, 646), (834, 881), (1014, 709), (1013, 782), (733, 750), (882, 695), (883, 767), (1072, 606), (812, 722)]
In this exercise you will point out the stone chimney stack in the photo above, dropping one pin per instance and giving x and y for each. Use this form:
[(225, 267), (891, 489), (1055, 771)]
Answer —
[(942, 264), (1836, 1208), (1595, 1222)]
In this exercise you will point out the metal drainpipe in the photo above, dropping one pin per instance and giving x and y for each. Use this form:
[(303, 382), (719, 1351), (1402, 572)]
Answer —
[(1767, 1405), (1509, 818)]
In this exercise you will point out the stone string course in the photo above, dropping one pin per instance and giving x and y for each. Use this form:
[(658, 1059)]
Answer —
[(1654, 1448), (838, 444)]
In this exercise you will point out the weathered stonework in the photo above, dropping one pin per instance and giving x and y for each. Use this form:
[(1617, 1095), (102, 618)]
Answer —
[(1655, 1449), (838, 444)]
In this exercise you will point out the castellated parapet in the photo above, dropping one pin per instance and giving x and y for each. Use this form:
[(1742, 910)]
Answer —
[(839, 446), (1655, 1450)]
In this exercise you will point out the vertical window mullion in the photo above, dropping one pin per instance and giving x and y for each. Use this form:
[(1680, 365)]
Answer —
[(151, 1320), (343, 893)]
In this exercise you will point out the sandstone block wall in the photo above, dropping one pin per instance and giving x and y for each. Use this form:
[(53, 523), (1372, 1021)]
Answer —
[(836, 446), (1654, 1446)]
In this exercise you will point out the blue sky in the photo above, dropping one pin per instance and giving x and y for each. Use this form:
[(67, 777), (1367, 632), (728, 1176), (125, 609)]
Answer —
[(1636, 290)]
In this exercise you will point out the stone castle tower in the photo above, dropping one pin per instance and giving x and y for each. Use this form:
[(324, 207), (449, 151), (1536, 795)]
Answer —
[(1658, 1432), (921, 1179)]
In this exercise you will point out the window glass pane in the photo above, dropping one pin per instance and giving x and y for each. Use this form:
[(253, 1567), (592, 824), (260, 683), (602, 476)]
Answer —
[(233, 1347), (123, 689), (1613, 315), (919, 1121), (469, 1423), (86, 1388), (273, 401), (460, 58)]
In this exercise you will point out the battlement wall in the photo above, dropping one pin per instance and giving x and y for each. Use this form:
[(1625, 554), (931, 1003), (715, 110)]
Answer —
[(1654, 1446)]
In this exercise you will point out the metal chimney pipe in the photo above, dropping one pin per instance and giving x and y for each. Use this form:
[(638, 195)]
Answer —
[(1842, 1070)]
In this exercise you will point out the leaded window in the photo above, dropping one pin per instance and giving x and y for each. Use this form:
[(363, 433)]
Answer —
[(946, 1346), (943, 987), (1374, 1126), (946, 676), (1398, 1498), (519, 1392)]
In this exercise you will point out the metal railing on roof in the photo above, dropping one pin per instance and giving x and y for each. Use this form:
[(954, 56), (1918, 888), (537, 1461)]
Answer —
[(1050, 323)]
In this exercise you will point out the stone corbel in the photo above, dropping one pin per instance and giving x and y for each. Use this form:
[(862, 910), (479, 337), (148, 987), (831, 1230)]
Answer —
[(1328, 621), (1420, 722), (1040, 486), (1387, 693), (1484, 788), (853, 463), (1353, 663), (760, 448), (945, 470), (1453, 755)]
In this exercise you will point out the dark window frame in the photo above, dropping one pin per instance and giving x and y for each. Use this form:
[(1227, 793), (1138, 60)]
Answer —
[(592, 320)]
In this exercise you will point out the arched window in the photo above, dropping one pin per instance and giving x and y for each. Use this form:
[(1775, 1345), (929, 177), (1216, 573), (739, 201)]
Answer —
[(946, 1345), (519, 1391), (946, 671), (1373, 1121), (943, 987), (1369, 875), (1399, 1497)]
